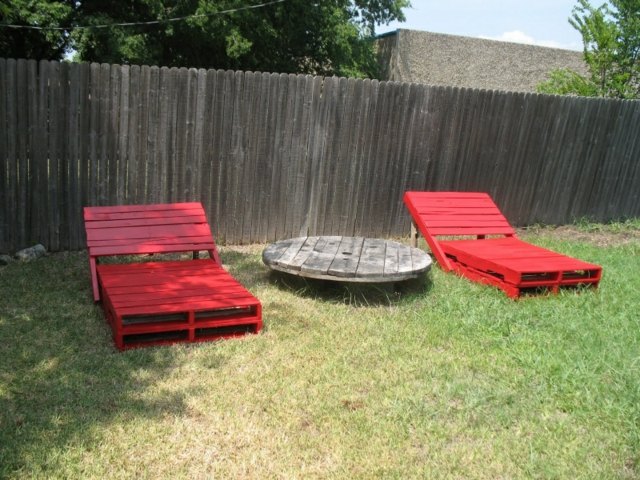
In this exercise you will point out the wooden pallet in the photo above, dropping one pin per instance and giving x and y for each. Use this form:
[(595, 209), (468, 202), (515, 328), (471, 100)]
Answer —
[(494, 255), (154, 303)]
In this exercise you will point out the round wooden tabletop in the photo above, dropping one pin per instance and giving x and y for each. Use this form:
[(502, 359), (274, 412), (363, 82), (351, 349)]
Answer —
[(346, 259)]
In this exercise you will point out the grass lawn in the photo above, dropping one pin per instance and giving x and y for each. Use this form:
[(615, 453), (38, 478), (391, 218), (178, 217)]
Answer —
[(443, 378)]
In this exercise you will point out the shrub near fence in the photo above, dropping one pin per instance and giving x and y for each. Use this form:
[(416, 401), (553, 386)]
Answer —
[(274, 155)]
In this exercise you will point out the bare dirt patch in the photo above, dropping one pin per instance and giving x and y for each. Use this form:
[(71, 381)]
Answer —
[(604, 237)]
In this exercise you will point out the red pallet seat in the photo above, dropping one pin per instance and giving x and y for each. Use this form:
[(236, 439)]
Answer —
[(151, 303), (502, 260)]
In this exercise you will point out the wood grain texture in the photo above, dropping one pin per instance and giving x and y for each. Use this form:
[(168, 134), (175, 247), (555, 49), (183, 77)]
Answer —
[(276, 156), (345, 262), (346, 259)]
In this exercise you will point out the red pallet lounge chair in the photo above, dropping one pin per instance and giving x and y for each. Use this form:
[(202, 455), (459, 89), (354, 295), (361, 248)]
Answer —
[(502, 260), (151, 303)]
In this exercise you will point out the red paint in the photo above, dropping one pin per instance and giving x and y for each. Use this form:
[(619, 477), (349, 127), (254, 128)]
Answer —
[(506, 261), (157, 303)]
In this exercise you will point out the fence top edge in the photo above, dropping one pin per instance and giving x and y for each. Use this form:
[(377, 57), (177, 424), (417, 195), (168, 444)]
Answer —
[(383, 83)]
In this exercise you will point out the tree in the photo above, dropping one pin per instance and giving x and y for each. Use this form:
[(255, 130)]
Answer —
[(321, 37), (33, 43), (325, 37), (611, 38)]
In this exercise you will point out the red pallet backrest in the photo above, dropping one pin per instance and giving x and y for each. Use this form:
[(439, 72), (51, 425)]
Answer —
[(136, 229), (457, 213), (141, 229)]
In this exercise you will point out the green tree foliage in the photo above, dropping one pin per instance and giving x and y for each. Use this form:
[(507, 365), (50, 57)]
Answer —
[(611, 38), (326, 37), (32, 43)]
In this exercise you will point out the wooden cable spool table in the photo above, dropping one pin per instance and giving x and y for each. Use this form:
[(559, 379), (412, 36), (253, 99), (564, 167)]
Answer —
[(347, 259)]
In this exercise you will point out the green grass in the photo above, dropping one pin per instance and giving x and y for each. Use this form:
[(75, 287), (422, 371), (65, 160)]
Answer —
[(441, 379)]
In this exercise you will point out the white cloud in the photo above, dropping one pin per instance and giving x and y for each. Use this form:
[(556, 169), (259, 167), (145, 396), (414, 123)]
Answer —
[(516, 36)]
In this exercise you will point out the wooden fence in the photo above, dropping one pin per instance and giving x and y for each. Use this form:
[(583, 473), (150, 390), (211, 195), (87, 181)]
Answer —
[(273, 156)]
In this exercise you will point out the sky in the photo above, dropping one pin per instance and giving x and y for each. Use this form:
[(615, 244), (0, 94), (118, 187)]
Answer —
[(537, 22)]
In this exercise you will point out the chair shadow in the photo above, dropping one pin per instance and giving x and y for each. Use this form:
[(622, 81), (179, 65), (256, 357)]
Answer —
[(54, 323), (247, 268)]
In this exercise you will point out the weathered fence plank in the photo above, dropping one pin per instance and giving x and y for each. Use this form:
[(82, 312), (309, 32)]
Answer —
[(397, 156), (351, 146), (222, 139), (22, 154), (94, 134), (7, 212), (103, 128), (55, 92), (122, 145), (582, 178), (83, 150), (171, 131), (336, 160), (141, 80), (199, 140), (113, 141), (244, 180), (276, 93), (309, 89), (157, 139), (62, 155), (207, 143), (260, 178), (274, 156), (132, 126), (284, 131), (554, 131), (628, 176), (40, 161), (364, 160), (385, 131), (219, 117), (179, 159), (30, 206), (209, 181), (191, 166), (72, 154), (237, 157)]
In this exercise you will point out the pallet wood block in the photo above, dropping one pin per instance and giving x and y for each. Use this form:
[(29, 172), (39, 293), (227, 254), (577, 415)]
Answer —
[(156, 303), (503, 260)]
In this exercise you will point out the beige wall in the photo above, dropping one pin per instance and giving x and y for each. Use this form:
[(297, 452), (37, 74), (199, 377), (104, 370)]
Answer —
[(439, 59)]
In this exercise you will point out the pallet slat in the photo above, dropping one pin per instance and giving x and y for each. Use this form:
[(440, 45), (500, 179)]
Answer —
[(156, 303), (507, 263)]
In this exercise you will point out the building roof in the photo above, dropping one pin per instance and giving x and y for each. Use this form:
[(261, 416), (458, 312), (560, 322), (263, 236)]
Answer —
[(441, 59)]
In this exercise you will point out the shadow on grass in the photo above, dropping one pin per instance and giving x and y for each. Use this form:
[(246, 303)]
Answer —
[(60, 375), (61, 378), (247, 268), (354, 294)]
